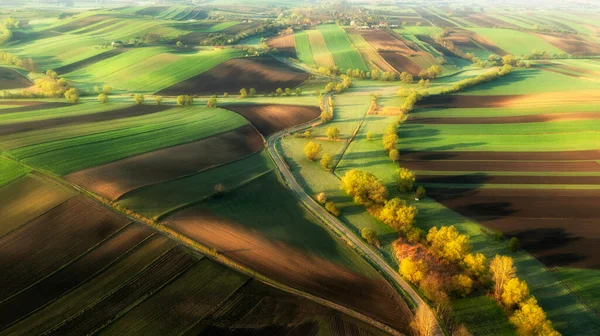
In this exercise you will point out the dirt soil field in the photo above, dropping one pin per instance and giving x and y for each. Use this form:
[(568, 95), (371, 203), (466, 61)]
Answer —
[(269, 119), (127, 112), (401, 63), (265, 74), (114, 179), (528, 100), (292, 267), (511, 119), (12, 79), (558, 227), (90, 60), (285, 45), (383, 41), (52, 240), (571, 44), (81, 23)]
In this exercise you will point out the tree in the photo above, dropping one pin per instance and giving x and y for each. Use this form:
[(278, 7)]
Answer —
[(424, 322), (475, 264), (405, 77), (509, 60), (332, 208), (327, 161), (370, 236), (414, 235), (252, 92), (225, 95), (333, 133), (405, 179), (138, 99), (530, 320), (420, 193), (462, 284), (364, 187), (158, 100), (394, 155), (390, 141), (52, 74), (312, 150), (96, 89), (72, 95), (326, 116), (279, 91), (179, 44), (243, 93), (298, 92), (502, 270), (413, 271), (513, 244), (321, 198), (212, 102), (424, 83), (103, 98), (107, 89), (185, 100), (151, 38), (288, 92), (370, 136), (461, 330), (514, 292), (446, 242), (397, 214)]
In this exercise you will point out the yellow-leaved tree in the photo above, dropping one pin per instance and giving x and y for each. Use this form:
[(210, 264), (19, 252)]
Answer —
[(364, 187), (312, 150), (447, 243), (475, 264), (502, 270), (514, 292), (530, 320), (412, 270), (397, 214), (405, 179), (462, 284)]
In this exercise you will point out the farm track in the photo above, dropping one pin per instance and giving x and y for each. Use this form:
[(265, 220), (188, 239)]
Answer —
[(335, 224)]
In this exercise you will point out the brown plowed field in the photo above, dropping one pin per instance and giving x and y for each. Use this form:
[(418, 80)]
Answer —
[(285, 45), (401, 62), (528, 100), (71, 276), (127, 112), (483, 20), (559, 227), (292, 267), (269, 119), (52, 240), (81, 23), (467, 39), (12, 79), (515, 166), (114, 179), (265, 74), (512, 119), (25, 106), (89, 61), (382, 40), (480, 178)]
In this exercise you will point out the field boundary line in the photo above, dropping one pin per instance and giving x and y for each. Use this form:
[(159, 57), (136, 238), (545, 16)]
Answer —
[(556, 273)]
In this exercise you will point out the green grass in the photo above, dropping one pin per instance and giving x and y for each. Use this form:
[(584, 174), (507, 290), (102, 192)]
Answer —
[(303, 49), (516, 42), (344, 53), (420, 30), (157, 199), (72, 154), (10, 170), (483, 316), (532, 128), (59, 112), (219, 26), (584, 283), (503, 112)]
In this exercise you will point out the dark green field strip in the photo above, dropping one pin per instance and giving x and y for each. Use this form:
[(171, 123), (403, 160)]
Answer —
[(52, 241), (114, 179), (483, 178), (89, 61), (100, 25), (162, 272), (61, 111), (32, 106), (93, 290), (125, 112), (69, 277), (69, 155), (10, 170), (483, 316), (27, 198), (190, 298), (156, 199), (584, 283)]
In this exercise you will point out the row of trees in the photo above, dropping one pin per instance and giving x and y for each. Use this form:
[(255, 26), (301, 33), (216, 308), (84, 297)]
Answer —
[(479, 79), (26, 63)]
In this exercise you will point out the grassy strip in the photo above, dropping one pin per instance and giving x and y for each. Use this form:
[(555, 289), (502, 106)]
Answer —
[(344, 53), (303, 49), (584, 283), (511, 186), (483, 316), (503, 173), (10, 170)]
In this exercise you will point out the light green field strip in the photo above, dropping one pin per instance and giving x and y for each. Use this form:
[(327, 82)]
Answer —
[(344, 53), (512, 186), (510, 20), (48, 135), (59, 112), (420, 30), (504, 111), (181, 14), (303, 49), (483, 316), (424, 46), (88, 293), (69, 155), (94, 25), (219, 26), (101, 69), (501, 130), (504, 173), (10, 170), (168, 12), (8, 106), (516, 42), (585, 283), (160, 198)]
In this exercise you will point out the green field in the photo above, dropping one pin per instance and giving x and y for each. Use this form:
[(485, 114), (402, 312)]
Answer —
[(303, 48), (516, 42), (584, 283), (10, 170), (483, 316), (344, 53)]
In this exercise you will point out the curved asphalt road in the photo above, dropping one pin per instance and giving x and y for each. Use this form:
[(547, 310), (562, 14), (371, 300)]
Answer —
[(315, 207)]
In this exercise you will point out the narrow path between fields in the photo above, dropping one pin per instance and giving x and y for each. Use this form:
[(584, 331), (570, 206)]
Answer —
[(334, 223)]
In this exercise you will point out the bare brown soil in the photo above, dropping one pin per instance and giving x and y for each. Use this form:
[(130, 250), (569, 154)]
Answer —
[(511, 119), (463, 38), (433, 18), (128, 112), (265, 74), (114, 179), (29, 106), (71, 276), (90, 60), (272, 118), (528, 100), (285, 45), (81, 23), (52, 240), (401, 62), (295, 268), (12, 79), (383, 41), (483, 20), (559, 227)]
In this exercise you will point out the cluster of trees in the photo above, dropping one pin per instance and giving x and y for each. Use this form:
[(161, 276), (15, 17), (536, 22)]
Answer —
[(338, 87), (139, 98), (247, 93), (374, 74), (407, 78), (326, 109), (5, 29), (103, 93), (432, 72), (267, 27), (479, 79), (26, 63), (390, 138), (186, 100), (54, 86), (330, 206), (541, 54)]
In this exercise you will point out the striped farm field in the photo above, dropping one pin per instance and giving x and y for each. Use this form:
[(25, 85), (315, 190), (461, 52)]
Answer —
[(303, 48), (345, 55), (319, 50), (516, 42)]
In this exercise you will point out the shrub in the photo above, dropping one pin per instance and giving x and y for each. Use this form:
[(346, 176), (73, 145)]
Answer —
[(394, 155), (159, 100), (405, 179), (420, 193), (370, 236), (103, 98), (327, 161), (370, 136), (138, 99), (332, 208), (333, 133), (321, 198), (514, 244), (312, 150)]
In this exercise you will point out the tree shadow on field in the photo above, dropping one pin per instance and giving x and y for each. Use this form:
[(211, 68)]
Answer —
[(544, 239), (514, 77)]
